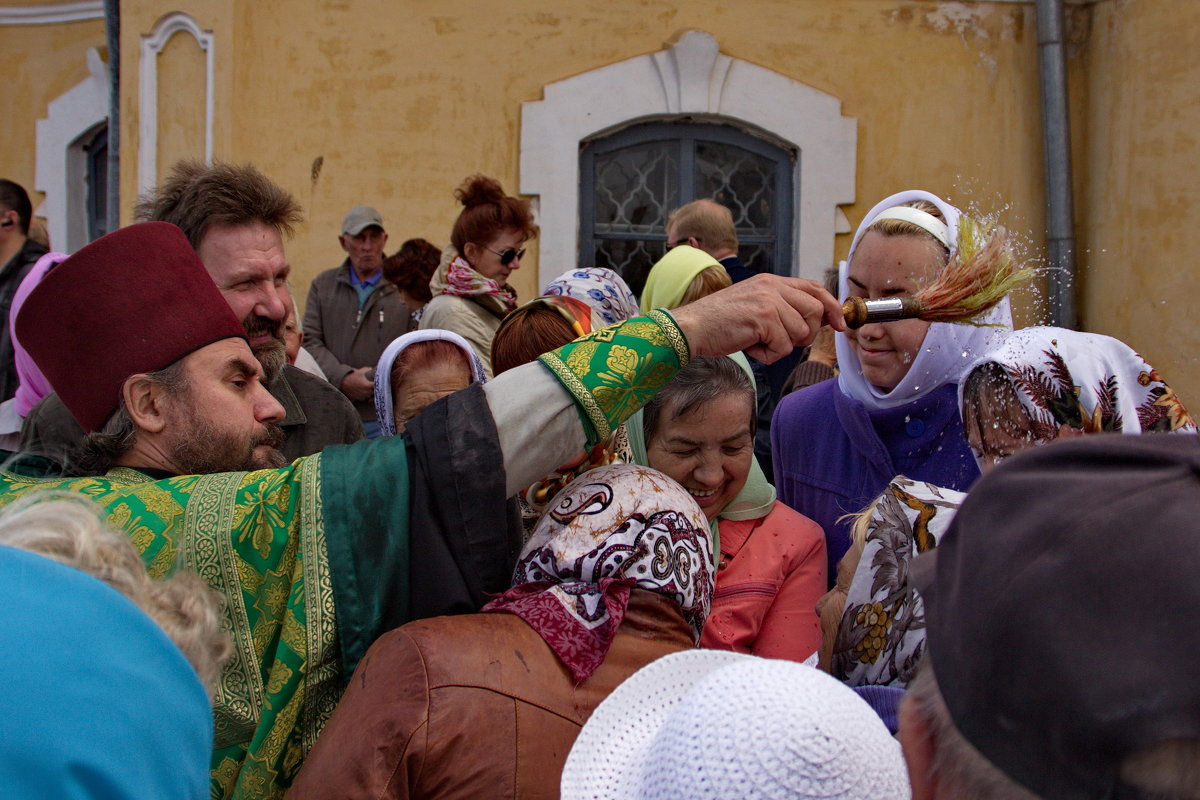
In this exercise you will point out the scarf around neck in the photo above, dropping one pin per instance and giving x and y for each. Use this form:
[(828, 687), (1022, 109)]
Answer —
[(463, 281), (612, 529), (948, 347)]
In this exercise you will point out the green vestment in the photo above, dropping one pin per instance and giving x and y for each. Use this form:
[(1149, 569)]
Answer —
[(313, 559)]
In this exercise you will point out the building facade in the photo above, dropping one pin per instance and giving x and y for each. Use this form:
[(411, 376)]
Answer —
[(800, 115)]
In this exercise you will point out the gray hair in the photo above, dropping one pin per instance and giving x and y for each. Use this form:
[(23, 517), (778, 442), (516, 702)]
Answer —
[(702, 381), (98, 451)]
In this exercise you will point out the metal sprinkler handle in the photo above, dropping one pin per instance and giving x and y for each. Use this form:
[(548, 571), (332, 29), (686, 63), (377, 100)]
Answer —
[(859, 312)]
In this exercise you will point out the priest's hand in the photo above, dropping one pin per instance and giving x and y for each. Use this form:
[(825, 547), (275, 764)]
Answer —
[(766, 315)]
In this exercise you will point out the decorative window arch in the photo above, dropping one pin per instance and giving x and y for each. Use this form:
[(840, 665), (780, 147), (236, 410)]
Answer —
[(689, 78), (153, 43)]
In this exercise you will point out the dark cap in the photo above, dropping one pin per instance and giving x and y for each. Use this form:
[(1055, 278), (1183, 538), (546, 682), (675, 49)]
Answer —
[(1061, 609), (136, 300)]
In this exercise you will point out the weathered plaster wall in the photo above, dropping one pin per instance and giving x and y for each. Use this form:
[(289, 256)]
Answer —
[(40, 63), (1138, 218), (398, 102)]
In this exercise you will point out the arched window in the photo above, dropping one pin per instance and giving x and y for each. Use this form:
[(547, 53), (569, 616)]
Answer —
[(631, 180)]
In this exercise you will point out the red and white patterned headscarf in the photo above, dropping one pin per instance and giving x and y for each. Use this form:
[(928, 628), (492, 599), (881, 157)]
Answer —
[(612, 529)]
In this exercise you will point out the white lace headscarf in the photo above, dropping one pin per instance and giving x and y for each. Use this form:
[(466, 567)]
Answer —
[(948, 349)]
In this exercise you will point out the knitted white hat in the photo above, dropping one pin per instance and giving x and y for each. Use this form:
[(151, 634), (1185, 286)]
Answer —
[(715, 724)]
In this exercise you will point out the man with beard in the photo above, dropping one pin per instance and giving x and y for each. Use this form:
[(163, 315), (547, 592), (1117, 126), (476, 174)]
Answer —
[(353, 313), (319, 558), (235, 218)]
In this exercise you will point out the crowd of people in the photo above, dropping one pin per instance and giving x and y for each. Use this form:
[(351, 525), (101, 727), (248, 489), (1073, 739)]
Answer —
[(426, 540)]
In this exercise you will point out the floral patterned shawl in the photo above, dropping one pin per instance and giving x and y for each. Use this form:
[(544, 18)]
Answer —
[(1085, 381), (604, 292), (881, 637), (610, 530), (463, 281)]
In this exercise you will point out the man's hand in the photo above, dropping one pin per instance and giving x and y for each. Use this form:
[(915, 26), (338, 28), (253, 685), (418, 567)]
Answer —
[(766, 315), (357, 386)]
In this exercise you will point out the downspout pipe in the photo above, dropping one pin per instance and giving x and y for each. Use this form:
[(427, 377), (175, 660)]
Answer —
[(112, 29), (1056, 136)]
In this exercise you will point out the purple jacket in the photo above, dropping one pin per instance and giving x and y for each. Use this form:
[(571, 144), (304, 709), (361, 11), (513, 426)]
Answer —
[(832, 456)]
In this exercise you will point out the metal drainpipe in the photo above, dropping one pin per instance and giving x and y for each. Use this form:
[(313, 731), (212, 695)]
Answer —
[(112, 27), (1056, 134)]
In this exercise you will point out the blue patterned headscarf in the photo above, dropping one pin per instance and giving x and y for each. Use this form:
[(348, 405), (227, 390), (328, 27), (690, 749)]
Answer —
[(604, 292)]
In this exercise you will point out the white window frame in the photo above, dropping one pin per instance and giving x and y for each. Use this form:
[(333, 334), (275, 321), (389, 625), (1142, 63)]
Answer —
[(689, 77)]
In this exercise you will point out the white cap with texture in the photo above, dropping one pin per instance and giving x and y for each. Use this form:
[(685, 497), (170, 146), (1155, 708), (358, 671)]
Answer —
[(715, 724)]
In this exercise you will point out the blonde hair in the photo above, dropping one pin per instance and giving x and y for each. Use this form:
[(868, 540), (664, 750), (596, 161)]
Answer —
[(69, 529), (708, 221), (712, 279), (900, 227), (832, 604)]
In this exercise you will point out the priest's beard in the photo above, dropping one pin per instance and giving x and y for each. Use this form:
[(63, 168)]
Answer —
[(271, 355), (205, 449)]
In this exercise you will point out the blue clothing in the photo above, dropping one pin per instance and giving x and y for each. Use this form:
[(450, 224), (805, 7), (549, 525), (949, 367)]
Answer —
[(884, 701), (832, 456), (364, 287), (736, 269), (99, 703)]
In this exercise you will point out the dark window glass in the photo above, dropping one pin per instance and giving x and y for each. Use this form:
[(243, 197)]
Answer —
[(632, 180)]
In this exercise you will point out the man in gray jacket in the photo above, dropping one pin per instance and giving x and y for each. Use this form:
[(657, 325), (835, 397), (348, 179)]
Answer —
[(353, 313)]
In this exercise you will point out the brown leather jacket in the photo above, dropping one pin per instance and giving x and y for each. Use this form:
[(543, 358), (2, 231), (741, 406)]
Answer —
[(473, 706)]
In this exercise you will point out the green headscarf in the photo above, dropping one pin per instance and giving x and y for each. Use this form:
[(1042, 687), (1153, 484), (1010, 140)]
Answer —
[(670, 277), (757, 497)]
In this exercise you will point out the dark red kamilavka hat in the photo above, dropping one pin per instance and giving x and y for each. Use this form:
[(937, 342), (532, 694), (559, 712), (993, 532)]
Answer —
[(136, 300)]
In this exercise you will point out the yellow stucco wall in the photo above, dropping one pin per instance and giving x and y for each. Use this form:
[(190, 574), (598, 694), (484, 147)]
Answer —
[(41, 63), (393, 104), (1140, 223), (401, 101)]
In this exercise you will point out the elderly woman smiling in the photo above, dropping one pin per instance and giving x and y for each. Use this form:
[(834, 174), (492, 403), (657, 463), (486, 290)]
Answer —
[(699, 430)]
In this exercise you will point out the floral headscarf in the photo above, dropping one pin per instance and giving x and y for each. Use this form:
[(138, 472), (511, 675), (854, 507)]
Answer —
[(589, 299), (383, 370), (1085, 381), (881, 637), (602, 290), (610, 530)]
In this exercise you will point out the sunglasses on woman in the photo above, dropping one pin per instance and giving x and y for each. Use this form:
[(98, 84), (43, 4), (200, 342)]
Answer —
[(507, 256)]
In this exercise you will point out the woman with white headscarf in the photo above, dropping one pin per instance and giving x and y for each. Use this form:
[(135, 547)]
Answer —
[(893, 409), (418, 368)]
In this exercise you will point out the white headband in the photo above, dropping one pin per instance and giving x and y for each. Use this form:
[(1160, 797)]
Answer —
[(922, 219)]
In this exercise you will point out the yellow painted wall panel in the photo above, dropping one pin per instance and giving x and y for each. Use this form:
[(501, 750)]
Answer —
[(181, 93), (1140, 224), (394, 103)]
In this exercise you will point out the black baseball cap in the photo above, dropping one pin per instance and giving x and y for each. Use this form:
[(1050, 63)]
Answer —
[(1063, 610)]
